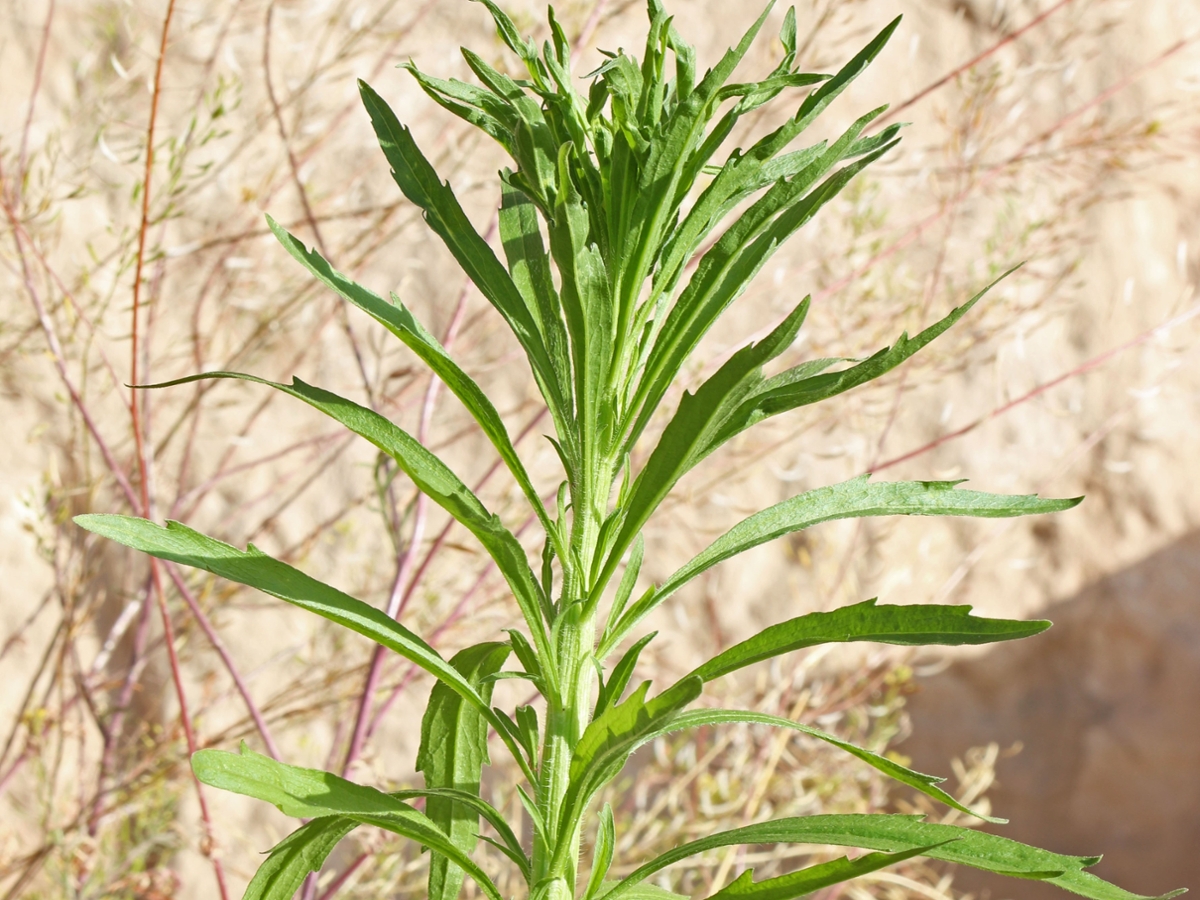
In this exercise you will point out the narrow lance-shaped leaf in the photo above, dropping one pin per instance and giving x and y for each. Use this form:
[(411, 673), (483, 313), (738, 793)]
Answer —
[(659, 182), (452, 754), (509, 844), (421, 184), (586, 302), (397, 319), (290, 861), (795, 388), (892, 833), (916, 626), (529, 264), (741, 175), (311, 793), (851, 499), (437, 481), (253, 568), (813, 878), (728, 267), (611, 690), (686, 433), (602, 856)]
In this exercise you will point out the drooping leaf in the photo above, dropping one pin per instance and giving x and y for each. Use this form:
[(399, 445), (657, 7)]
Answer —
[(850, 499), (509, 844), (311, 793), (255, 569), (892, 833), (437, 481), (397, 319), (452, 754)]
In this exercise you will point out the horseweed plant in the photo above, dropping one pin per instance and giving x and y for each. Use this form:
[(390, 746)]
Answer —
[(622, 185)]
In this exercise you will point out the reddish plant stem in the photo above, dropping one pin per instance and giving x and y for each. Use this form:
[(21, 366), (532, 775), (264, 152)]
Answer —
[(343, 877), (116, 723), (294, 167), (38, 69), (589, 28), (445, 625), (997, 169), (404, 569), (1094, 363), (971, 63), (222, 651), (143, 463)]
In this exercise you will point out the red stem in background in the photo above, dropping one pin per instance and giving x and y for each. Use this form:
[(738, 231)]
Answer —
[(395, 604), (143, 463), (1093, 363), (971, 63), (38, 68), (997, 169)]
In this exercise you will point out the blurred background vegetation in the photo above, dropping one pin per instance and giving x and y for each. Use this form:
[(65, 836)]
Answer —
[(1061, 133)]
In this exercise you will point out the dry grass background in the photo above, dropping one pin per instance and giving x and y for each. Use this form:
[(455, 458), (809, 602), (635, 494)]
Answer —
[(1060, 132)]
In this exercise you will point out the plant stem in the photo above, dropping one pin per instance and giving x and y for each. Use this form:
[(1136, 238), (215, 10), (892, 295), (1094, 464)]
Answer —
[(566, 718)]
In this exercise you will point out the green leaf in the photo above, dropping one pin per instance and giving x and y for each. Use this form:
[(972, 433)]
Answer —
[(452, 754), (890, 833), (727, 268), (490, 113), (686, 434), (586, 302), (926, 784), (611, 690), (648, 203), (421, 185), (509, 844), (629, 577), (806, 881), (180, 544), (291, 860), (602, 856), (311, 793), (527, 657), (917, 626), (437, 481), (796, 387), (850, 499), (640, 892), (397, 319), (529, 264)]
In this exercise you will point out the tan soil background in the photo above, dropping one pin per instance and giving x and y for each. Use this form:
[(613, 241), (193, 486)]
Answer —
[(1075, 148)]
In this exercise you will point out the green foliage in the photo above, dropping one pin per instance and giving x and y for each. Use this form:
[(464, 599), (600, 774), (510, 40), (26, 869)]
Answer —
[(624, 242)]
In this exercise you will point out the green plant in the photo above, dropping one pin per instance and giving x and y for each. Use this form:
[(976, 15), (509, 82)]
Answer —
[(622, 185)]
